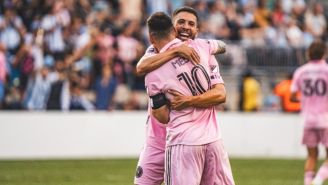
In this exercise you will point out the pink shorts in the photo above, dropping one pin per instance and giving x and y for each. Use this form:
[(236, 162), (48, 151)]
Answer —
[(313, 136), (199, 164), (150, 169)]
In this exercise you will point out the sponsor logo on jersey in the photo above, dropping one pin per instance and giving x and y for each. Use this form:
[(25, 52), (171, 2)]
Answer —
[(139, 172)]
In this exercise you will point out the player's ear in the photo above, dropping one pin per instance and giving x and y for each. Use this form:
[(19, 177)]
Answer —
[(175, 32)]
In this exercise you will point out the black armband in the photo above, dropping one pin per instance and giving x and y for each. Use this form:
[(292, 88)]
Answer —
[(158, 100)]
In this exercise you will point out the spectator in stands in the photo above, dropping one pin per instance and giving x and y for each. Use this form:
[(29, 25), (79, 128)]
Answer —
[(234, 22), (136, 6), (271, 102), (38, 89), (156, 6), (315, 21), (11, 30), (13, 99), (274, 35), (282, 89), (3, 74), (77, 100), (128, 49), (103, 50), (278, 15), (24, 63), (294, 34), (59, 96), (217, 23), (53, 23), (105, 87), (262, 14), (201, 8)]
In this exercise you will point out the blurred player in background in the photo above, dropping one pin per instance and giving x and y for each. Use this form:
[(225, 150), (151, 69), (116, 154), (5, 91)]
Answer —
[(193, 146), (312, 80), (150, 168)]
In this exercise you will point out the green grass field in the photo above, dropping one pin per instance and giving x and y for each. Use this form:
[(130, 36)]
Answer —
[(121, 172)]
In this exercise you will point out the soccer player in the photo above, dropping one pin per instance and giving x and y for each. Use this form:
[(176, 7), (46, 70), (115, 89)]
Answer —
[(150, 168), (311, 80), (193, 146)]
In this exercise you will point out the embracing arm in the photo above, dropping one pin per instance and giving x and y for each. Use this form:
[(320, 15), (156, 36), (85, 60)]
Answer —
[(212, 97), (148, 64), (162, 114)]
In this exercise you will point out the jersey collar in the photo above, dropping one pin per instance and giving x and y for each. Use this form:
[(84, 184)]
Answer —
[(170, 44), (317, 61)]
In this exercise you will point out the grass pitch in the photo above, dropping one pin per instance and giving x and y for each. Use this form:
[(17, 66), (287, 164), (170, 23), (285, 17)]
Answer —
[(121, 172)]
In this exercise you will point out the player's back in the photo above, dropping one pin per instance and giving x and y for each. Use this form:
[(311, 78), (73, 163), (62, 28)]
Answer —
[(190, 126), (312, 80), (155, 131)]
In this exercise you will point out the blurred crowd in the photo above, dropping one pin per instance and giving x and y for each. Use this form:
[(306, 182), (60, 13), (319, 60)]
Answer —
[(81, 54)]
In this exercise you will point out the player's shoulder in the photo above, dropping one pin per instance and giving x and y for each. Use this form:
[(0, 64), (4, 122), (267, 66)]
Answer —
[(325, 64), (154, 75), (151, 78), (299, 70), (303, 69), (206, 41), (201, 41)]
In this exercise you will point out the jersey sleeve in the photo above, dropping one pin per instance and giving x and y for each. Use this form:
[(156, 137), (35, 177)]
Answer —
[(153, 84), (214, 71), (214, 46), (150, 51), (294, 85), (154, 90)]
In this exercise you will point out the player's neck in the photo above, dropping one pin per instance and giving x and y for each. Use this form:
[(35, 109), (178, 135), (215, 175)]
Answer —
[(161, 43)]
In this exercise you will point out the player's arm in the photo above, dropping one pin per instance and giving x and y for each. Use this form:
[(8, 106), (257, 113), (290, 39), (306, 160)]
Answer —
[(162, 114), (294, 97), (160, 109), (295, 88), (215, 96), (213, 46), (148, 64), (219, 47), (212, 97)]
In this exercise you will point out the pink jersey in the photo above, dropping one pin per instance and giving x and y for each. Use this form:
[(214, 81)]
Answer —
[(312, 80), (190, 126), (155, 131)]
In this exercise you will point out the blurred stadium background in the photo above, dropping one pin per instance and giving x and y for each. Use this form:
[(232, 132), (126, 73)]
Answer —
[(72, 109)]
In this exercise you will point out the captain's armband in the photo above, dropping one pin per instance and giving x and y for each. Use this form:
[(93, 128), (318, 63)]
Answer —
[(158, 100)]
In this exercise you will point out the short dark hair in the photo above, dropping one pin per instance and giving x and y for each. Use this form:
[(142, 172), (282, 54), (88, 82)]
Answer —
[(186, 9), (317, 50), (160, 25)]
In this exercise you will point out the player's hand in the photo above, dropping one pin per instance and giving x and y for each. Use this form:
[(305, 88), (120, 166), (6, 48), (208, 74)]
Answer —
[(189, 53), (179, 101)]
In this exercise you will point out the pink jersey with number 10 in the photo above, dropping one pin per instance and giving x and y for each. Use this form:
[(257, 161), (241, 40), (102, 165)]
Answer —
[(190, 126), (312, 80)]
